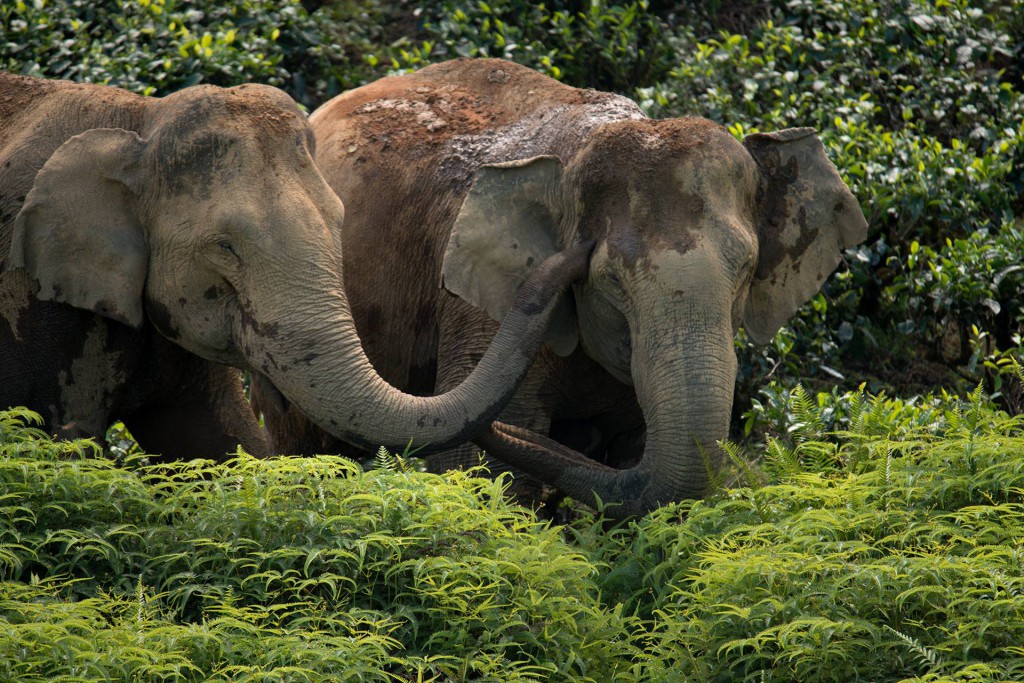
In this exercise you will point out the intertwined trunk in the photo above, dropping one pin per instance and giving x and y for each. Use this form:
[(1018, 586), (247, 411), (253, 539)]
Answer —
[(312, 353)]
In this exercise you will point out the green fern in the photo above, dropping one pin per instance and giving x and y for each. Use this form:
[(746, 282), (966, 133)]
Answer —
[(809, 424), (932, 660)]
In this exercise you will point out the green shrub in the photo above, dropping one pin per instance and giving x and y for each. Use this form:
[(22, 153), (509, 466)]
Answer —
[(874, 539), (159, 46), (283, 569), (877, 539), (606, 45)]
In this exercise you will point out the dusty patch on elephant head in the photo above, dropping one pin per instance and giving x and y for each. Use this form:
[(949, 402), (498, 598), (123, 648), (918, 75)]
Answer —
[(628, 180), (90, 380)]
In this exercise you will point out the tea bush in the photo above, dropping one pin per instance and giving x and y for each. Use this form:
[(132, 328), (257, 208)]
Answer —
[(606, 45), (919, 104), (159, 46)]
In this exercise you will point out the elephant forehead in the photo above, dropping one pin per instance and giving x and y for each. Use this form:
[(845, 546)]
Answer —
[(205, 142), (636, 145), (257, 113), (197, 165)]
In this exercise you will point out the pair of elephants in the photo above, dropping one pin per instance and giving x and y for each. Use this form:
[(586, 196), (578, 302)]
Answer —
[(150, 244)]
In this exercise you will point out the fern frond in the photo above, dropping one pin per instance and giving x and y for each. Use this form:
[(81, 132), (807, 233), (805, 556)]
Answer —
[(385, 460), (929, 657)]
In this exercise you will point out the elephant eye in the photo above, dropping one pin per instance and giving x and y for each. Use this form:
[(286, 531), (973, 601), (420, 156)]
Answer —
[(226, 250)]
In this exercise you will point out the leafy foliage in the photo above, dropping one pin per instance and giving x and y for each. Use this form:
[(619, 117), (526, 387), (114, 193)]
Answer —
[(869, 537), (874, 539), (613, 46), (159, 46), (920, 111), (297, 569), (881, 541), (919, 104)]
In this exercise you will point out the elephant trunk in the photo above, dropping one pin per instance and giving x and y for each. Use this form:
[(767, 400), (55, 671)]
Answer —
[(315, 358), (684, 373)]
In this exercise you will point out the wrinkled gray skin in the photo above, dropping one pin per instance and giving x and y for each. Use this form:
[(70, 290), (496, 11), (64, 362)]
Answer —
[(471, 172), (146, 242)]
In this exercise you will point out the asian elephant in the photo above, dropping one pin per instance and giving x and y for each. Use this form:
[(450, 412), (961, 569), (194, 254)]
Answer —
[(471, 172), (148, 243)]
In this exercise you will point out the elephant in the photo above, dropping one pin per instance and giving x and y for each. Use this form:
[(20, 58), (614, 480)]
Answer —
[(151, 246), (470, 172)]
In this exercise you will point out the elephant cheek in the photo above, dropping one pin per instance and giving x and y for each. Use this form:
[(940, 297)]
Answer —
[(200, 327), (605, 336)]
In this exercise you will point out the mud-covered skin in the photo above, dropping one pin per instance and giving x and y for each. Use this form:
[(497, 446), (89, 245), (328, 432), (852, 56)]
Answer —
[(471, 171), (146, 241), (83, 371), (96, 371)]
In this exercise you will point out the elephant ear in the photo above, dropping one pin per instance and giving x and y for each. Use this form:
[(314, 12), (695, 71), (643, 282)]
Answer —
[(507, 226), (806, 215), (78, 233)]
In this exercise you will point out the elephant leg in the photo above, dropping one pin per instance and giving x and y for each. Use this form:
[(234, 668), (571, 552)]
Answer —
[(194, 408)]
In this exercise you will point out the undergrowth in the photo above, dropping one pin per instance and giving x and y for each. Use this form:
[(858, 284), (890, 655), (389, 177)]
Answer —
[(283, 569), (870, 539), (875, 539)]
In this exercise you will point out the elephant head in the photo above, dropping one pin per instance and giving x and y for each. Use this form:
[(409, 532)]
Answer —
[(696, 235), (209, 219)]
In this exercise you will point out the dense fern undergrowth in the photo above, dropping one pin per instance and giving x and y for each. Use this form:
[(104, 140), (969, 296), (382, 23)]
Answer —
[(891, 549)]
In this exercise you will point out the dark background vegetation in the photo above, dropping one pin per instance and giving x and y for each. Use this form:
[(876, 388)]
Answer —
[(872, 538)]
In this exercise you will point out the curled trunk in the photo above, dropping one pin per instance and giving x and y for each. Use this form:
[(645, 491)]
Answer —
[(319, 365)]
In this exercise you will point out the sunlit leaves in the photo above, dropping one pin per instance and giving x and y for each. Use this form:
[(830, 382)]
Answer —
[(283, 569)]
